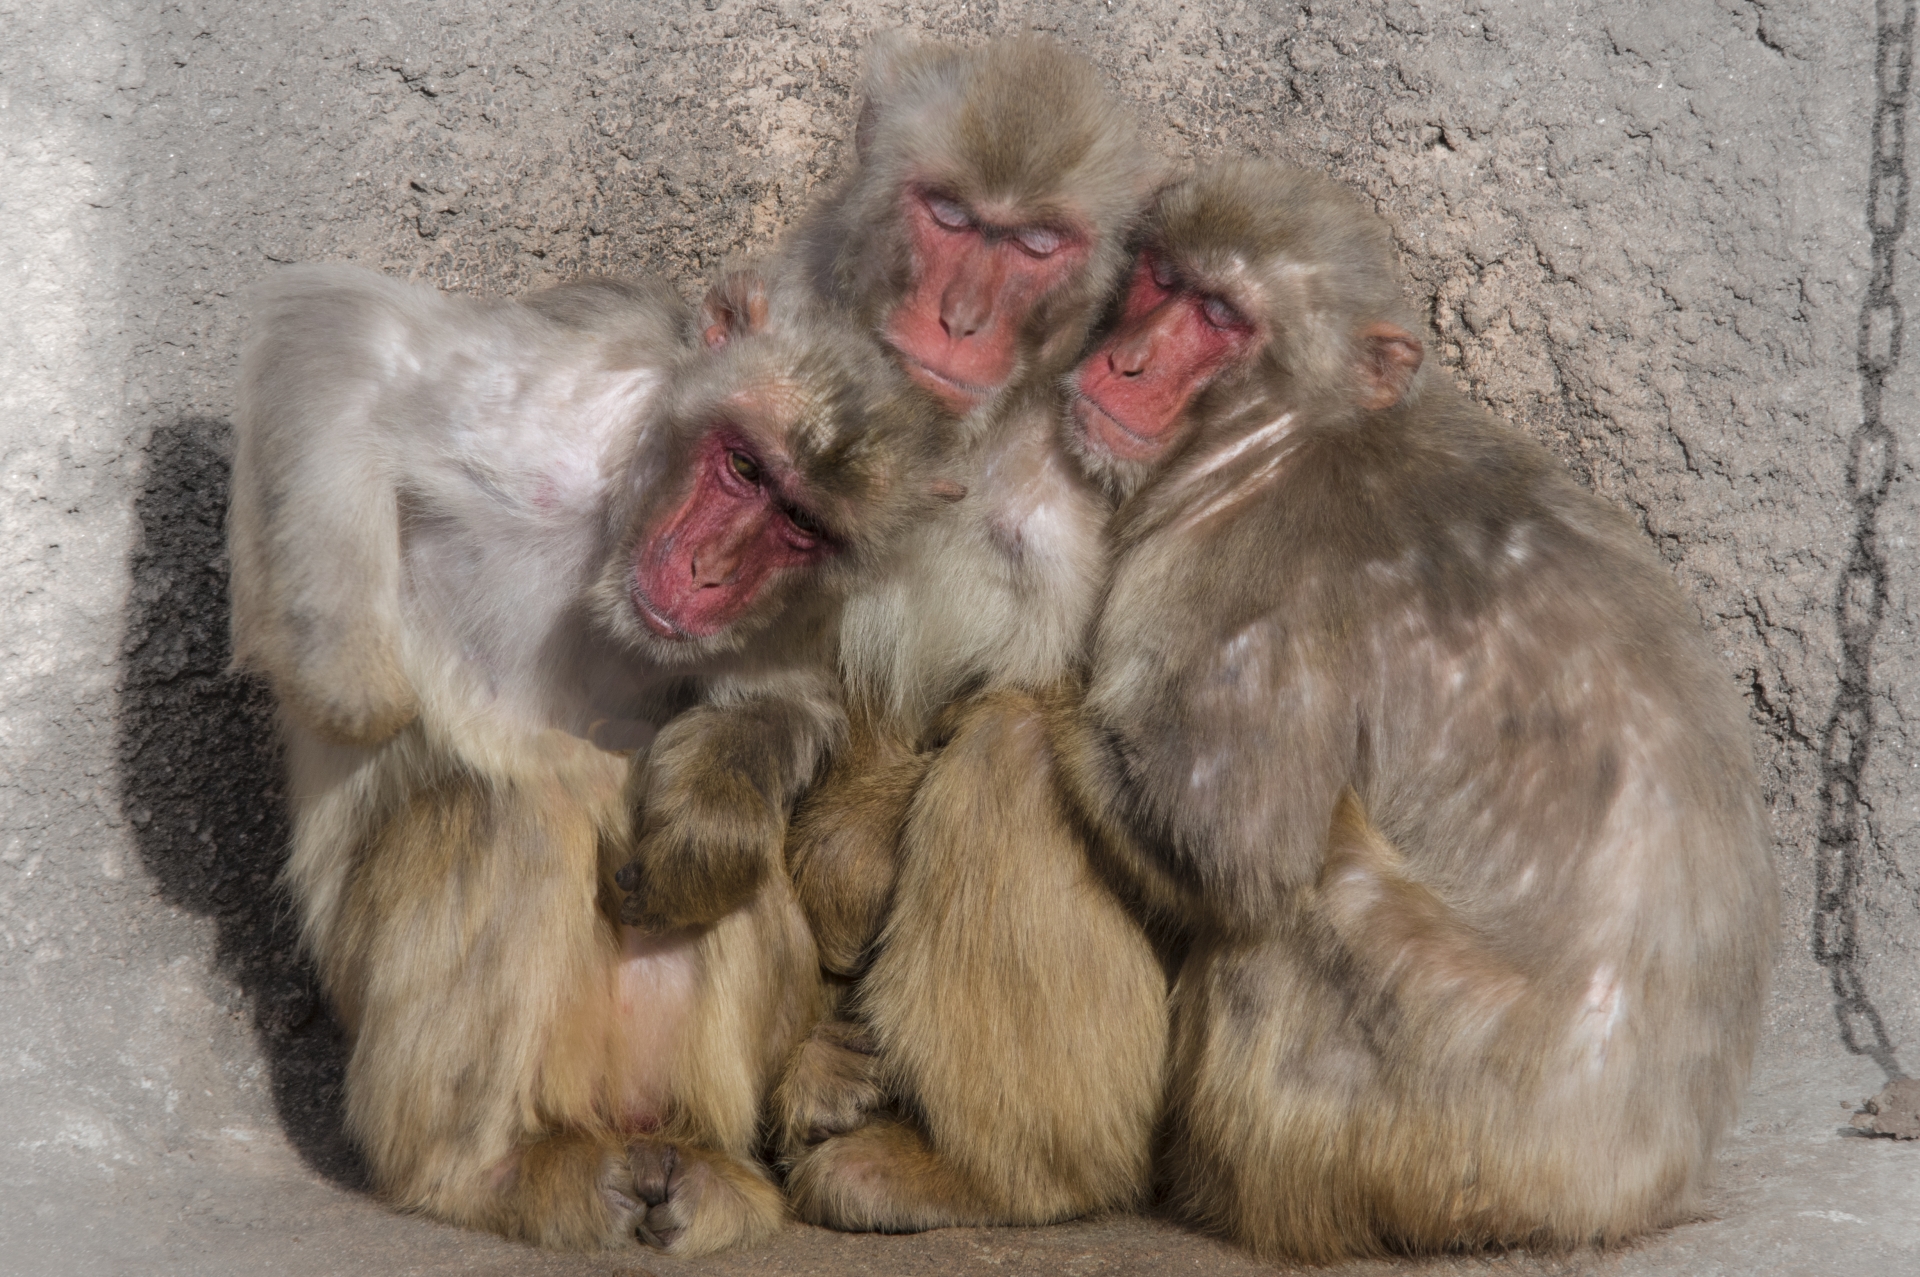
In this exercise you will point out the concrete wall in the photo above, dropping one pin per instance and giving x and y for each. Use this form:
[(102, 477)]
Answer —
[(1648, 231)]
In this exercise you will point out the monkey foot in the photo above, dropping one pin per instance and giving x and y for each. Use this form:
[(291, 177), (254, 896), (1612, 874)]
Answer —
[(831, 1086), (694, 1201), (884, 1178)]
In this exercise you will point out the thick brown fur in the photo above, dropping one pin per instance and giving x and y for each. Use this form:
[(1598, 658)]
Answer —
[(437, 505), (844, 842), (1419, 742), (1022, 1087)]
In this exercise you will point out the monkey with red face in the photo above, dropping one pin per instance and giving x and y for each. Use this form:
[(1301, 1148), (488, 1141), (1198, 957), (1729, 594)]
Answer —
[(483, 552), (980, 234), (1420, 748)]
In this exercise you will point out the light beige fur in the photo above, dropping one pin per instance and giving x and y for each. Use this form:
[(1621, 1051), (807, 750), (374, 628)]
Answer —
[(437, 504)]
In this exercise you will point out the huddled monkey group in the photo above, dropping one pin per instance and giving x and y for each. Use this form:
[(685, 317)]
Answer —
[(1032, 699)]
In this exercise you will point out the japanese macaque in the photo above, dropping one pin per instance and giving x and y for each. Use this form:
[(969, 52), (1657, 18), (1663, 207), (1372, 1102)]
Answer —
[(484, 552), (1421, 746), (981, 234)]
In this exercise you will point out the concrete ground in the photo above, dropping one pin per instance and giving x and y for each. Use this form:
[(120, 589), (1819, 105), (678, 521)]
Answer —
[(1666, 236)]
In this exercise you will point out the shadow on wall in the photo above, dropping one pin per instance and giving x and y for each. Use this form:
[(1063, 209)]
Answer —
[(1861, 602), (200, 782)]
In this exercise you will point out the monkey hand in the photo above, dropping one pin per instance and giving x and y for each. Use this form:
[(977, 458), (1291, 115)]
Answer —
[(709, 842), (843, 848)]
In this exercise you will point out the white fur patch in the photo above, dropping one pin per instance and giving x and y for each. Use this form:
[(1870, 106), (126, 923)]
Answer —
[(1599, 1014)]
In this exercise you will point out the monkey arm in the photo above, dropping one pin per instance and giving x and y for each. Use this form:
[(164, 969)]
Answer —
[(843, 844), (712, 796), (314, 525), (1213, 780)]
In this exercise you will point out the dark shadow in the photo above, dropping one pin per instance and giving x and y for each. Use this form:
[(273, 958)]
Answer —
[(200, 782), (1861, 602)]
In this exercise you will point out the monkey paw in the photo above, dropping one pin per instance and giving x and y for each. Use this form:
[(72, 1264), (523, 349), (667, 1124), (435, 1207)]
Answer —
[(831, 1086), (693, 1201), (708, 848)]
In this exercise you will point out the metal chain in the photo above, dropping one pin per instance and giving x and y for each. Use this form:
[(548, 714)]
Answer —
[(1862, 599)]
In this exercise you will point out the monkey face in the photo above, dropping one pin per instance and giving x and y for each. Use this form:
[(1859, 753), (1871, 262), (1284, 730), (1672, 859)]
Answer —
[(977, 273), (1175, 335), (743, 520), (778, 464)]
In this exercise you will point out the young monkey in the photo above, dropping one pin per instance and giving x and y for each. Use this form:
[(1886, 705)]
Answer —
[(1420, 744)]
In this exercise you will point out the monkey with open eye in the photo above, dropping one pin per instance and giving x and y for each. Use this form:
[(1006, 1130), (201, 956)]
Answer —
[(531, 580), (980, 234), (1422, 749)]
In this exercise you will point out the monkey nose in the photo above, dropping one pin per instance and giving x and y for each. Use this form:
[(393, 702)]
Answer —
[(962, 321), (1127, 359), (717, 574)]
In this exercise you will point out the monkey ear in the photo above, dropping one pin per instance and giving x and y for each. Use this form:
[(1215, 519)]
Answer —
[(886, 55), (736, 306), (1389, 357)]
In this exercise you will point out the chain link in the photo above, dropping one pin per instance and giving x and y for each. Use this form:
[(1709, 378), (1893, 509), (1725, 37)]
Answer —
[(1861, 602)]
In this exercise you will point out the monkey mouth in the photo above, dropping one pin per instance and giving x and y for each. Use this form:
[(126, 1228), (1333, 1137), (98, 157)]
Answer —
[(938, 382), (1082, 403), (644, 609)]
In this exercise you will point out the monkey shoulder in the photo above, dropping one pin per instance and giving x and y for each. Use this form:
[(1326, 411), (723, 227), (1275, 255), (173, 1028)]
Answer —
[(1385, 554)]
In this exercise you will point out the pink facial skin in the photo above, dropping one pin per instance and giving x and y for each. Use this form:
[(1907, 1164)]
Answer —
[(1171, 341), (974, 284), (704, 564)]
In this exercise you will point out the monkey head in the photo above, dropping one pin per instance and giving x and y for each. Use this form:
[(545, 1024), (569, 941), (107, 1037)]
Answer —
[(786, 453), (1256, 290), (986, 220)]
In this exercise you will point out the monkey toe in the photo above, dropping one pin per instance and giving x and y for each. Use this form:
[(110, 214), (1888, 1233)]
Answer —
[(655, 1173), (885, 1178), (695, 1201), (652, 1166), (616, 1192), (831, 1086)]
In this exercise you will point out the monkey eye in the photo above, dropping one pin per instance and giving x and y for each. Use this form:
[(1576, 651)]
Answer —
[(1038, 241), (1218, 313), (949, 213), (805, 522), (1162, 272), (744, 466)]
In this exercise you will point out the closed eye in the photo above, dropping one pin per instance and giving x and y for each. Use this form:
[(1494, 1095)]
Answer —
[(1039, 241), (1162, 272), (805, 522), (1218, 313), (949, 213)]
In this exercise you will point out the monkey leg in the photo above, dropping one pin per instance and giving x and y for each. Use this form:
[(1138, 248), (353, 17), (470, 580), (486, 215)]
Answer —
[(472, 956), (1019, 1011), (1376, 1076), (757, 991), (844, 840)]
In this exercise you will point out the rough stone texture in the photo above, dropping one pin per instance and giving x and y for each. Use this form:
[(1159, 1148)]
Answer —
[(1895, 1111), (1648, 235)]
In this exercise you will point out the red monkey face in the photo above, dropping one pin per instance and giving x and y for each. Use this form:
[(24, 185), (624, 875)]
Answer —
[(975, 281), (1173, 338), (702, 566)]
